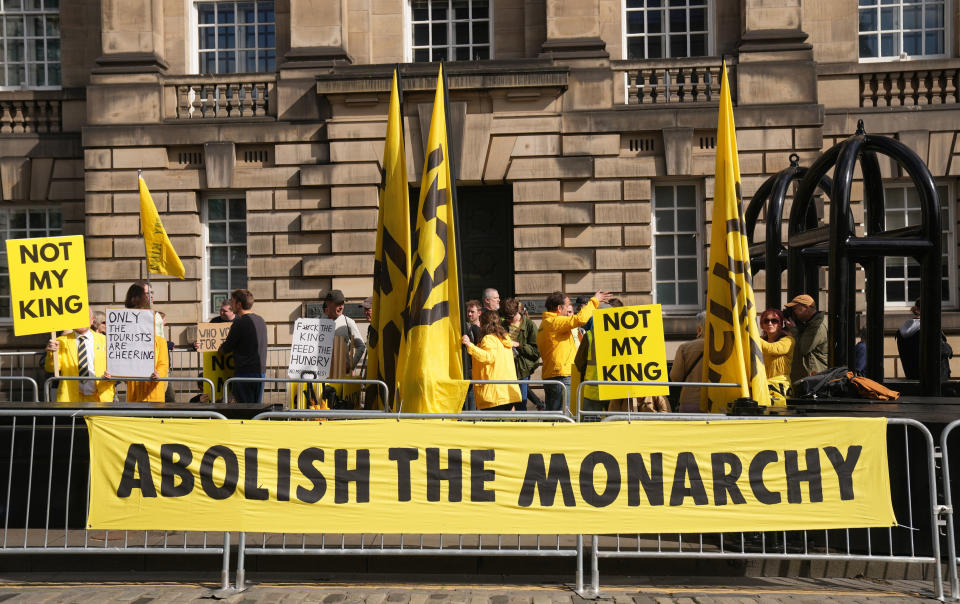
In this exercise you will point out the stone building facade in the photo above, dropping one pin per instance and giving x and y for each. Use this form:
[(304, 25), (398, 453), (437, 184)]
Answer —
[(584, 132)]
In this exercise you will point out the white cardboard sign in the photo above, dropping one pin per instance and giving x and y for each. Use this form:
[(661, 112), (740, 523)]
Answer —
[(130, 342), (312, 348)]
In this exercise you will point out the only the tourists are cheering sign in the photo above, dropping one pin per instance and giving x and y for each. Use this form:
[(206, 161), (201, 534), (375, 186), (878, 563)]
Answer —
[(390, 476)]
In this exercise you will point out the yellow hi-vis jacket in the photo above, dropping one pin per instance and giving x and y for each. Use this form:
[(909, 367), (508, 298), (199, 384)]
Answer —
[(555, 339), (493, 360)]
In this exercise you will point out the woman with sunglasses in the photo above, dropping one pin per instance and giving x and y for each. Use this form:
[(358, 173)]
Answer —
[(777, 346)]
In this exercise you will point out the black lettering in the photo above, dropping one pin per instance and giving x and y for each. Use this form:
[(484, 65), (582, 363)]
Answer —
[(611, 321), (629, 320), (587, 487), (759, 462), (652, 371), (283, 474), (344, 476), (26, 310), (795, 476), (844, 468), (136, 472), (453, 474), (171, 469), (619, 347), (305, 462), (634, 372), (480, 475), (250, 488), (725, 482), (608, 375), (403, 456), (72, 303), (687, 466), (537, 478), (26, 253), (231, 473), (637, 475), (40, 282)]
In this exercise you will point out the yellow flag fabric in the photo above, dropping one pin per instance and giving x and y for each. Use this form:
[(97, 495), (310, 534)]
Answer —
[(732, 338), (392, 259), (431, 367), (161, 257), (389, 476)]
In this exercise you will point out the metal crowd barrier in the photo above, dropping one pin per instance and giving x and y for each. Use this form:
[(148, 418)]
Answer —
[(892, 544), (72, 378), (598, 415), (20, 364), (412, 545), (45, 502), (952, 559), (566, 391), (380, 384), (28, 380)]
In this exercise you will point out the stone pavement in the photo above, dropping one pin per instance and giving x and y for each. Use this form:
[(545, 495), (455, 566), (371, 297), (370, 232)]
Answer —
[(50, 587)]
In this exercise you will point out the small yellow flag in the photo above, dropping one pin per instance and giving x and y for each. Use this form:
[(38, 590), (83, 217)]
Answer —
[(161, 257), (732, 339)]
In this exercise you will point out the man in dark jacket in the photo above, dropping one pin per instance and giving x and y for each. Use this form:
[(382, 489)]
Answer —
[(811, 352), (247, 341), (908, 346)]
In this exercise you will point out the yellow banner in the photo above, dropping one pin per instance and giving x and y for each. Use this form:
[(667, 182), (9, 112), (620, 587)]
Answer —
[(422, 476), (732, 337), (48, 284), (629, 347)]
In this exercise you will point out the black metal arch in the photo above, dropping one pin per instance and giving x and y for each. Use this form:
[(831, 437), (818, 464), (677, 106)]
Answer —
[(771, 255), (808, 244)]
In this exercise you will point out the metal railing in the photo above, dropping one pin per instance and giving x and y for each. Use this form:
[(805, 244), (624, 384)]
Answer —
[(47, 385), (600, 414), (892, 544), (947, 483), (45, 502), (20, 364), (268, 380), (28, 380), (407, 544)]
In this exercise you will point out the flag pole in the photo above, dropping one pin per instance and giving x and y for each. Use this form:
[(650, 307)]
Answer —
[(146, 252), (454, 173)]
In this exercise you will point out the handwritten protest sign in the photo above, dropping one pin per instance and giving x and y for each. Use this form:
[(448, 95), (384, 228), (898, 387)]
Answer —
[(211, 335), (312, 348), (130, 342), (218, 368), (48, 284), (629, 347)]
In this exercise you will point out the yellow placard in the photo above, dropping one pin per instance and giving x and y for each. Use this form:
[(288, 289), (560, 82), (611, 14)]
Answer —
[(48, 284), (218, 368), (431, 476), (629, 347)]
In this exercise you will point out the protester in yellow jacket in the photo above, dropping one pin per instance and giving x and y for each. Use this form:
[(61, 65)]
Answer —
[(777, 346), (140, 296), (65, 347), (493, 360), (558, 345)]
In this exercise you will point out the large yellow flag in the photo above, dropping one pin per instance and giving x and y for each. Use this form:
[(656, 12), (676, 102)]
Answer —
[(161, 257), (732, 339), (392, 260), (431, 368)]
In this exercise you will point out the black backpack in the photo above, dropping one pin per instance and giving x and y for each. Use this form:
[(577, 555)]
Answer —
[(832, 382)]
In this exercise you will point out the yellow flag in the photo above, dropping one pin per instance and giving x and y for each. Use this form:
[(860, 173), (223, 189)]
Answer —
[(431, 368), (732, 341), (392, 259), (161, 257)]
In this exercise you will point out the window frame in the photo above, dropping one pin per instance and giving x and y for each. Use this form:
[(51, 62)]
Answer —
[(8, 210), (624, 37), (698, 234), (948, 8), (192, 38), (948, 228), (206, 281), (27, 63), (408, 46)]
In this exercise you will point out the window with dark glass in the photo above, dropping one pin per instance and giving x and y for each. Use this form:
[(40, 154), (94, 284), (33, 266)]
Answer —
[(237, 37), (662, 29), (450, 30), (226, 248), (30, 43), (676, 246), (891, 29)]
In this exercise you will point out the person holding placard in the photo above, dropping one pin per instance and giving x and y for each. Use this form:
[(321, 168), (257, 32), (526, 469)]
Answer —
[(81, 352), (777, 346), (140, 296), (493, 360)]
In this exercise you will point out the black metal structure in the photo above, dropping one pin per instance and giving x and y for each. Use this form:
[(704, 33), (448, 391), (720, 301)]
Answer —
[(838, 247), (771, 255)]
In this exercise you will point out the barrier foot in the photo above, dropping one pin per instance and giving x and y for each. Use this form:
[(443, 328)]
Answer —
[(241, 570)]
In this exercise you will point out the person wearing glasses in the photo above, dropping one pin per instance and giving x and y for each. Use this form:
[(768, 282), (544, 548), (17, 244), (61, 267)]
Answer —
[(810, 333), (777, 346)]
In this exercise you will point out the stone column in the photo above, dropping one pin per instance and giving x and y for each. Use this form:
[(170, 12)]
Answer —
[(131, 37), (775, 63), (573, 38)]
